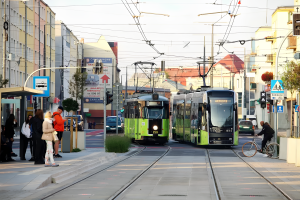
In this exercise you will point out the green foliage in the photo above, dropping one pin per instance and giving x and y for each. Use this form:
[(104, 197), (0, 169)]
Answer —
[(117, 144), (70, 105), (167, 75), (290, 77), (77, 84), (3, 82), (76, 150)]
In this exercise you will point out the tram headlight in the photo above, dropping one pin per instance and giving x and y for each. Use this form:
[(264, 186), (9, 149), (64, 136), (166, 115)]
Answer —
[(155, 127)]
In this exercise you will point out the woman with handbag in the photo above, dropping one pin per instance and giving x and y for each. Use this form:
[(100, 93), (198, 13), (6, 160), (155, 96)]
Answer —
[(49, 136)]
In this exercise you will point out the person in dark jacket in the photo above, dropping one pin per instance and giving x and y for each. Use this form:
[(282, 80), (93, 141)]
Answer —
[(33, 137), (5, 154), (37, 128), (27, 137), (268, 133), (10, 124)]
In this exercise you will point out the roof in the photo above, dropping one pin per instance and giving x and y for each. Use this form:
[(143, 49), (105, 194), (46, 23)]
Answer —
[(283, 7), (18, 91), (145, 89), (232, 63), (149, 98)]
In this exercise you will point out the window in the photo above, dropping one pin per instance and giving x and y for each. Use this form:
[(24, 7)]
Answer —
[(24, 24), (21, 81), (240, 100), (252, 103), (238, 83)]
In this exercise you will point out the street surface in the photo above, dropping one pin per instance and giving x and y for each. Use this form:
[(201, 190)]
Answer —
[(176, 171)]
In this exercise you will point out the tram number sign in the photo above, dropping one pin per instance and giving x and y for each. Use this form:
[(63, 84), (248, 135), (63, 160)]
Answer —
[(155, 132)]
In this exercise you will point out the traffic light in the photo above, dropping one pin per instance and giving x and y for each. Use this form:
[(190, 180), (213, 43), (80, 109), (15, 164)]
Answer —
[(296, 24), (35, 105), (270, 101), (109, 98), (263, 99)]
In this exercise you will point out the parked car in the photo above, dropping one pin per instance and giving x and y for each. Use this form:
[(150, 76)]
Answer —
[(80, 122), (111, 124), (246, 126)]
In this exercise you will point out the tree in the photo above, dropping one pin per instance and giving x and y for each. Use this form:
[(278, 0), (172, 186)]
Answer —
[(3, 82), (70, 105), (167, 75), (77, 84), (290, 79)]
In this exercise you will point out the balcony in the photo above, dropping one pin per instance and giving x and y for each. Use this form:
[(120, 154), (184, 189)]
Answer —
[(292, 42), (270, 58)]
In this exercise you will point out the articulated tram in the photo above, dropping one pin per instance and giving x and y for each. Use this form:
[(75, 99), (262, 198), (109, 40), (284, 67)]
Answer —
[(206, 117), (147, 118)]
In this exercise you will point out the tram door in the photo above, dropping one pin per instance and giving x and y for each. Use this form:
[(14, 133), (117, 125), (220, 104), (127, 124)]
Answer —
[(137, 117)]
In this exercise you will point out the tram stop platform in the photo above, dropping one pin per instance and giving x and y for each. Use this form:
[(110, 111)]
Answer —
[(19, 179)]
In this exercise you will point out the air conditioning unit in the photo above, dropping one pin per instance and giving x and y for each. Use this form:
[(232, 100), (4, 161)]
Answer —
[(11, 57)]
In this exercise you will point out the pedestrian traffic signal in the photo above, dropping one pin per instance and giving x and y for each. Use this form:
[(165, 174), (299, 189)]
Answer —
[(270, 101), (263, 99), (109, 98), (35, 105)]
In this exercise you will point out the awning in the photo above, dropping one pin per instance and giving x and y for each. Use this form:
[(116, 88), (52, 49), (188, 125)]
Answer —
[(18, 91)]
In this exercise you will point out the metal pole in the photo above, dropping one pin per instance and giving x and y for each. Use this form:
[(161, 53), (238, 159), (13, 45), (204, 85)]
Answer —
[(26, 28), (126, 95), (9, 62), (4, 46), (245, 84), (112, 82), (39, 35), (117, 116), (62, 72), (249, 95), (104, 113), (298, 117), (212, 57), (276, 77), (204, 84)]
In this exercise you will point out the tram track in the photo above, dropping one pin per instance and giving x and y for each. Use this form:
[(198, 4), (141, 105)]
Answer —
[(215, 182), (270, 182), (89, 176), (124, 188)]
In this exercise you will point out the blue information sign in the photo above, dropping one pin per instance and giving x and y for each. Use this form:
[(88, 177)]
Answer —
[(42, 83), (279, 109), (297, 108)]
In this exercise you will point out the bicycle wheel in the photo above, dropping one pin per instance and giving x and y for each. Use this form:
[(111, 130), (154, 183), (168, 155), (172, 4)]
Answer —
[(271, 149), (249, 149)]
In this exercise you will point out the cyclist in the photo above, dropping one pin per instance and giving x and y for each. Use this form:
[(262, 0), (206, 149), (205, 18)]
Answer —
[(268, 133)]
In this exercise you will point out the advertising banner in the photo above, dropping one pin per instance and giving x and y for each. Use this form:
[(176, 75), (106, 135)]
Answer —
[(95, 82)]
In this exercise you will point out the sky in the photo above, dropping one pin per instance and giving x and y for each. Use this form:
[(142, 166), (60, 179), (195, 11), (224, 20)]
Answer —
[(179, 36)]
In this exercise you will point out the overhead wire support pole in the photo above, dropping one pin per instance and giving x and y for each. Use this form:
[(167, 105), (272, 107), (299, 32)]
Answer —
[(276, 77)]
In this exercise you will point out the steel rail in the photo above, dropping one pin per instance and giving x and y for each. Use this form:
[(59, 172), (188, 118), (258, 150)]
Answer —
[(277, 188), (218, 196), (123, 190), (78, 181)]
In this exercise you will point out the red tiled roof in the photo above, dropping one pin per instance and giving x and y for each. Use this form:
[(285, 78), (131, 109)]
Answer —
[(232, 63), (180, 75)]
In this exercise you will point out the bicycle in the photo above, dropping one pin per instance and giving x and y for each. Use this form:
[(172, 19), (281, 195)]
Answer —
[(249, 149)]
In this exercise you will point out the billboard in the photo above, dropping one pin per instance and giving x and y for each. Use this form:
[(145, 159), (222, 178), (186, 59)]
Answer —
[(95, 82)]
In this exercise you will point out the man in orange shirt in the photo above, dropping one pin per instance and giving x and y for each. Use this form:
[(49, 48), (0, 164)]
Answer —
[(59, 127)]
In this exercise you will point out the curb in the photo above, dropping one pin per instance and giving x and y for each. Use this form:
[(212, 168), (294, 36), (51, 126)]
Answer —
[(44, 180)]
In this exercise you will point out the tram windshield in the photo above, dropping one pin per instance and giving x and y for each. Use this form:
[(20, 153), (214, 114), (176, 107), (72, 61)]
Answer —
[(155, 113), (221, 112)]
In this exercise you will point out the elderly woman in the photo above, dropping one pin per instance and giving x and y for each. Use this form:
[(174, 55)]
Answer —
[(48, 137)]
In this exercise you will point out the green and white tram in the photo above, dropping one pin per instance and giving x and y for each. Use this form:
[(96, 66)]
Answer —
[(207, 117), (147, 119)]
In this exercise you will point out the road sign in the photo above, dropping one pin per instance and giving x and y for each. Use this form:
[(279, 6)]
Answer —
[(277, 90), (277, 86), (42, 83), (297, 108), (279, 109)]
